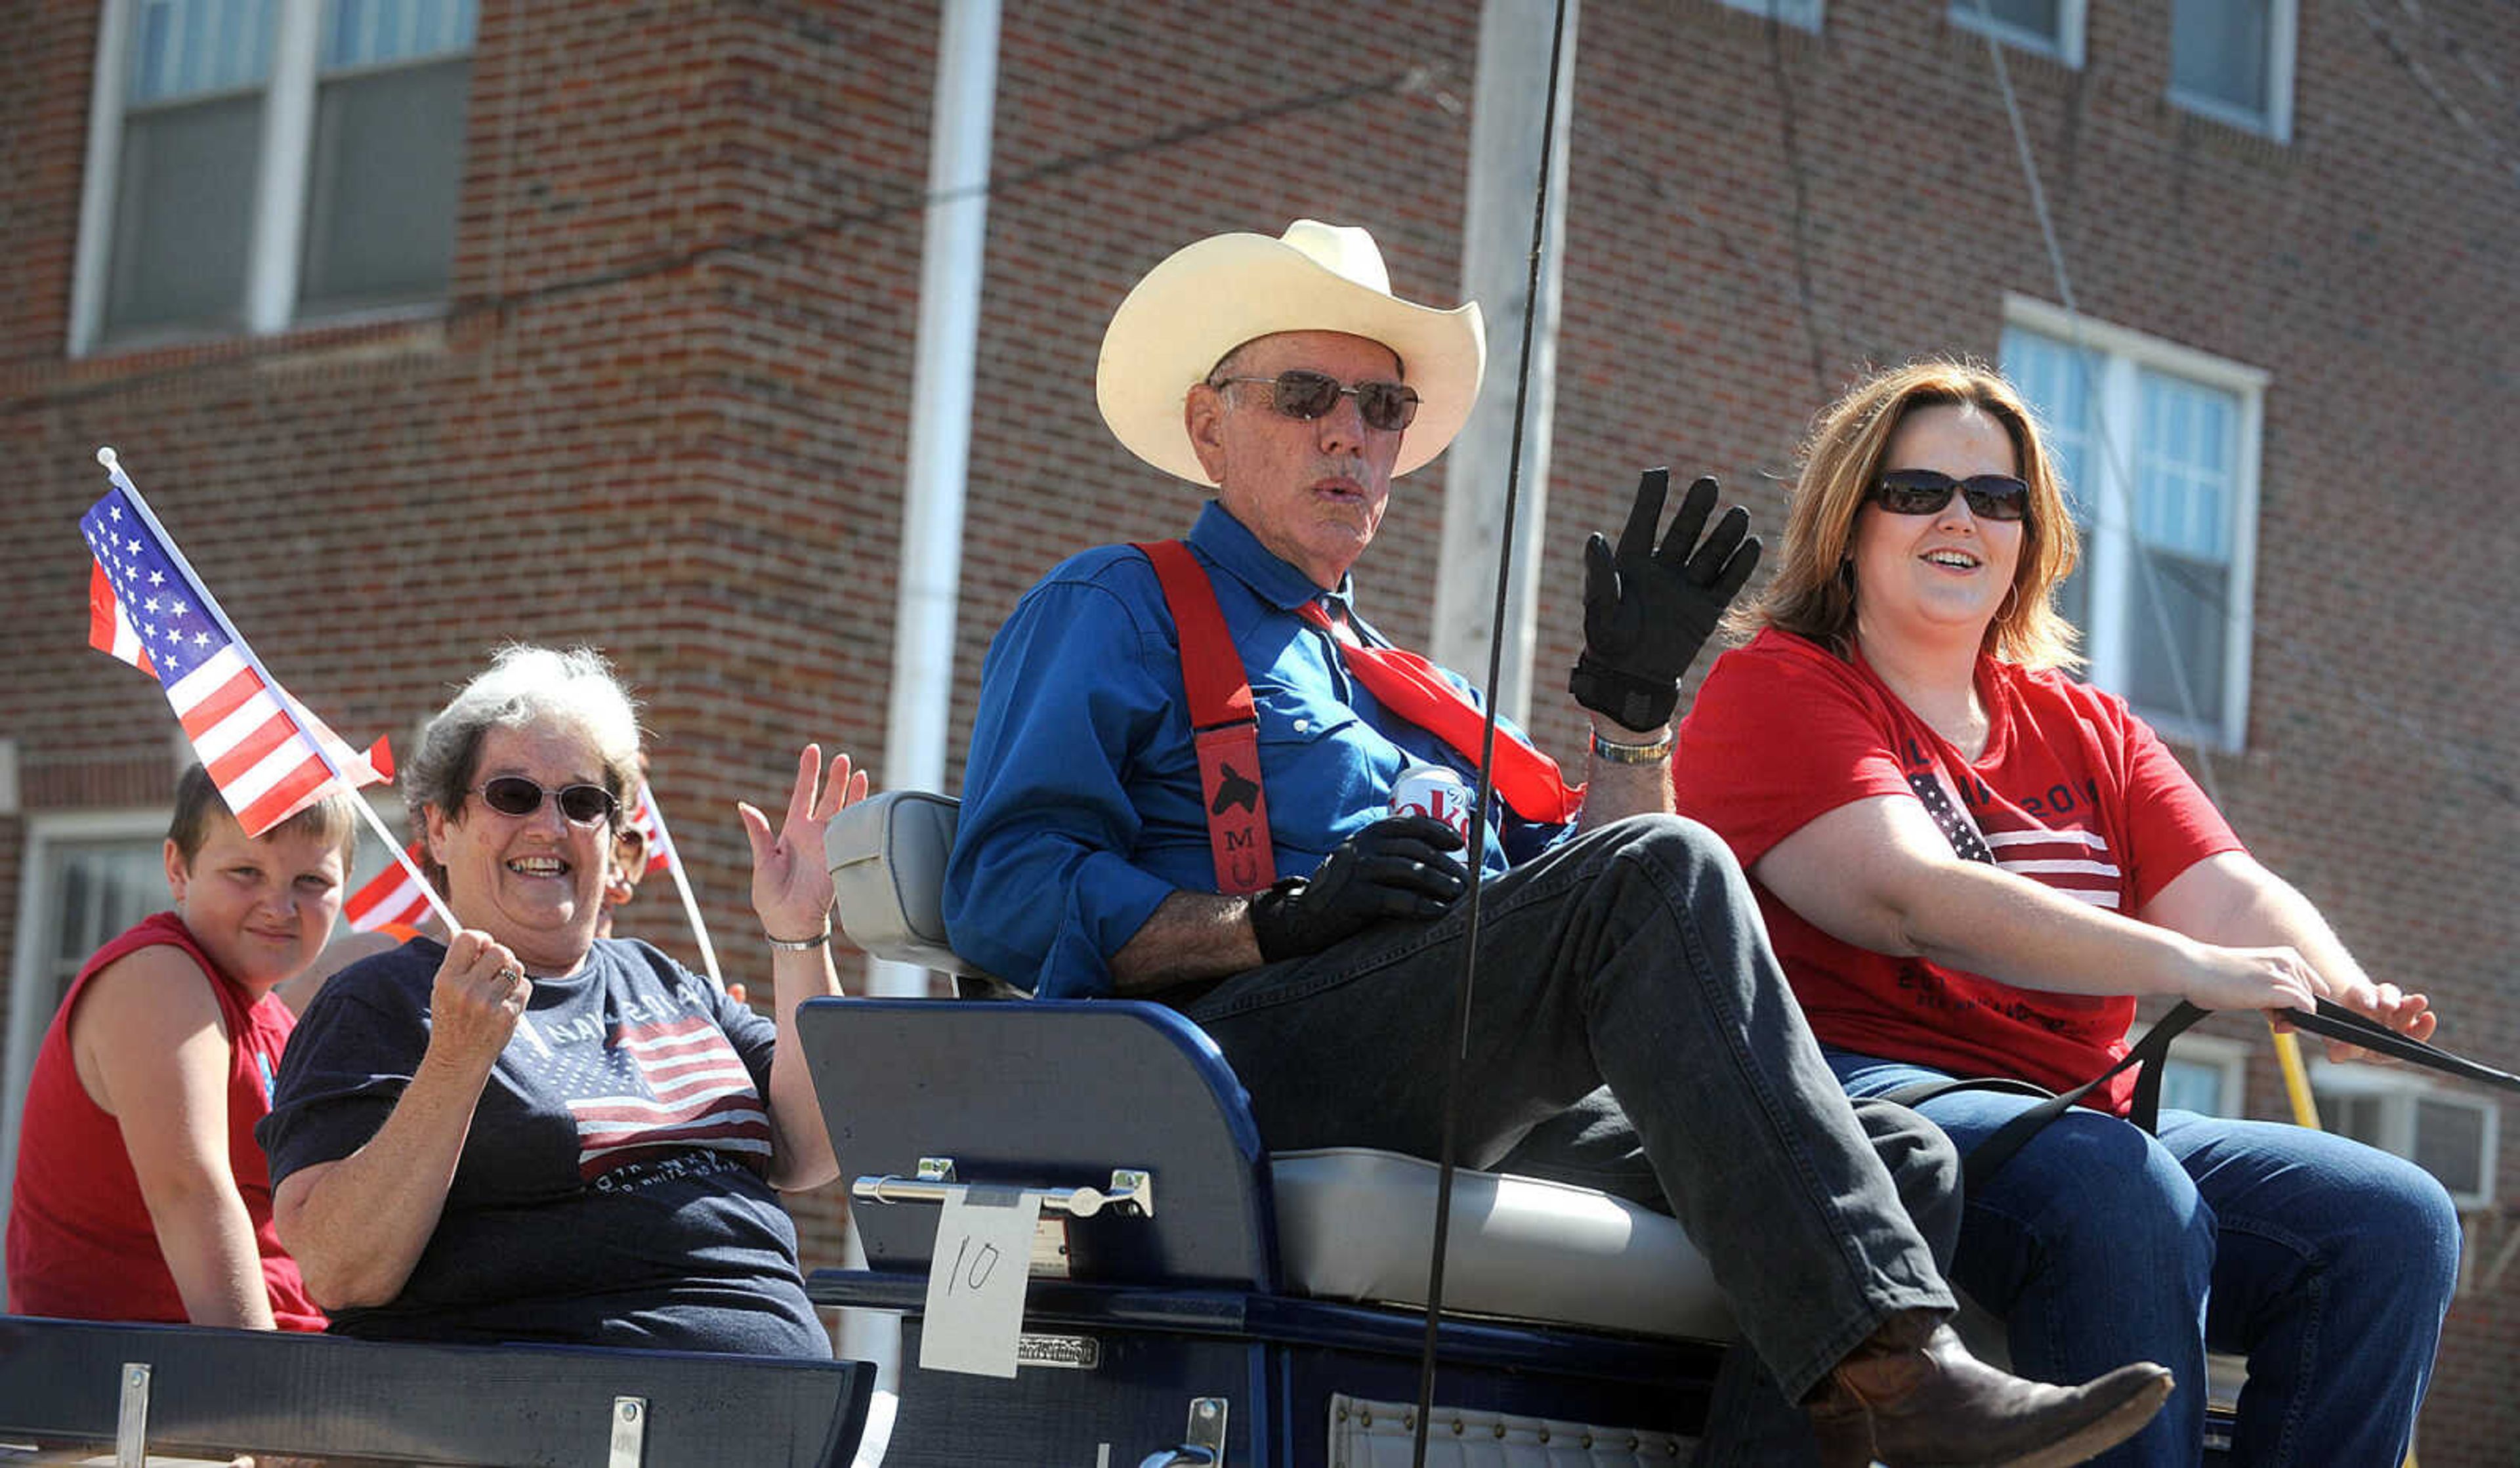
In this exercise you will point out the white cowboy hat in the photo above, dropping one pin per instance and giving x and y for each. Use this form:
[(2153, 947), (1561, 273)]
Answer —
[(1208, 298)]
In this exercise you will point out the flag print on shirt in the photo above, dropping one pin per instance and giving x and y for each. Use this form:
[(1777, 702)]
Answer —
[(2073, 862), (657, 1087)]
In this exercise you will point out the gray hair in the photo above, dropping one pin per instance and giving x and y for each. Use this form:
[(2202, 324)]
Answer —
[(524, 686)]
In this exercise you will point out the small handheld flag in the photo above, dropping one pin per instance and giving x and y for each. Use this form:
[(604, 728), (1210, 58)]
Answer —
[(269, 757), (392, 898)]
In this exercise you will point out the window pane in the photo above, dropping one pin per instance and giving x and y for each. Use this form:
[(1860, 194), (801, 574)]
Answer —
[(2218, 50), (183, 214), (1802, 12), (2189, 444), (188, 48), (2058, 385), (2450, 1144), (2184, 472), (2039, 17), (2194, 1086), (367, 32), (2176, 601), (105, 888), (382, 187), (78, 909), (2355, 1116)]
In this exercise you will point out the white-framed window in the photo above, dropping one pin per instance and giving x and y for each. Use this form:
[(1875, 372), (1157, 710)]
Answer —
[(258, 164), (2158, 447), (2231, 60), (88, 875), (2047, 27), (1803, 14), (2206, 1074), (2450, 1133)]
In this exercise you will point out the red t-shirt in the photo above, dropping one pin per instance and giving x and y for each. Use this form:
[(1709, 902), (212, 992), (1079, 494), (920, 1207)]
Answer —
[(2072, 790), (81, 1242)]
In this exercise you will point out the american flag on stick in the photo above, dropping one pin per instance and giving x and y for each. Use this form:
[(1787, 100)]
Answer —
[(391, 898), (269, 757), (650, 822)]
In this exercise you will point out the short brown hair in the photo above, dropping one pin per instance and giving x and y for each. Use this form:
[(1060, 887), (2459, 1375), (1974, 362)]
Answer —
[(1812, 595), (198, 800)]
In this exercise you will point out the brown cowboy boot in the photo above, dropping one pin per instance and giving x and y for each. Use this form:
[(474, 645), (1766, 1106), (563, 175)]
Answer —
[(1912, 1396)]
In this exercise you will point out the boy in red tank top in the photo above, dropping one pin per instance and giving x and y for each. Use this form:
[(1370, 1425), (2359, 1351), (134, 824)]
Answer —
[(140, 1193)]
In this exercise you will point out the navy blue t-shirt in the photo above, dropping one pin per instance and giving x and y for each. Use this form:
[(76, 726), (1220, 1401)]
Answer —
[(612, 1190)]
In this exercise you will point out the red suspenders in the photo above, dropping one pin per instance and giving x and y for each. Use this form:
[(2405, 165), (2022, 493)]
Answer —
[(1221, 719)]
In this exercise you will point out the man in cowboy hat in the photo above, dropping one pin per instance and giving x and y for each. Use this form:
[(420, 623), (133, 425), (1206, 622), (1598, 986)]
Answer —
[(1108, 832)]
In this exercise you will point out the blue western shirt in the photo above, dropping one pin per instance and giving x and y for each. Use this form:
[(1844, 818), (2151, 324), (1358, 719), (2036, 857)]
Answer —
[(1082, 807)]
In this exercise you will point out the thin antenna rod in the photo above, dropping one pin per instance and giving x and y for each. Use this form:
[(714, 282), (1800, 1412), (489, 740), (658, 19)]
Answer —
[(1447, 1163)]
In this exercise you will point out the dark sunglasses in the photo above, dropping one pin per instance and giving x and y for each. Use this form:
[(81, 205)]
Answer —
[(1925, 491), (515, 795), (1307, 395)]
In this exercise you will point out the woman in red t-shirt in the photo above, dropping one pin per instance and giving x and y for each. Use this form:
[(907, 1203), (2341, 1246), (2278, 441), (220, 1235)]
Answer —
[(140, 1193), (1974, 865)]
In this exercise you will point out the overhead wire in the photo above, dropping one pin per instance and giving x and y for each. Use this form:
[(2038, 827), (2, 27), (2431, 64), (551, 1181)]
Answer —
[(1412, 81), (2118, 482), (2118, 485), (2440, 94)]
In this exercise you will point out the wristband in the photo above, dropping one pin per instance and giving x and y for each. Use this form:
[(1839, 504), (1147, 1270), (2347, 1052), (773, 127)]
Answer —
[(1633, 700), (1632, 754), (800, 945)]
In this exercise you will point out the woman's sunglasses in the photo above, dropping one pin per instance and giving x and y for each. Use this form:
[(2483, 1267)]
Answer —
[(1925, 491), (515, 795), (1307, 395)]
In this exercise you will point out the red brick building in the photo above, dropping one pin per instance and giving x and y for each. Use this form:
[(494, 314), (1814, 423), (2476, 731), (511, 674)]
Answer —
[(426, 328)]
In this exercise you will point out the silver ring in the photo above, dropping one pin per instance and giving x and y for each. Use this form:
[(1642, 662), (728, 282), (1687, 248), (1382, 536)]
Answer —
[(511, 974)]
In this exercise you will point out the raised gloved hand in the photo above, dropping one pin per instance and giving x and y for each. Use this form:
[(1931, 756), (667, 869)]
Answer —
[(1648, 611), (1395, 868)]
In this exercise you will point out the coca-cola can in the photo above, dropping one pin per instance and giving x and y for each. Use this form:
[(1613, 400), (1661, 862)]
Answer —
[(1436, 791)]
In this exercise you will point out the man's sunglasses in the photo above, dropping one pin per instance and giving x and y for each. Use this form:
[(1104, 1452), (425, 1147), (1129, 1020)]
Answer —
[(515, 795), (1925, 491), (1307, 395)]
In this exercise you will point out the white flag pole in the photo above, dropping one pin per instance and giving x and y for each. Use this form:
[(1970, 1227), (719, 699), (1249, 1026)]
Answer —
[(683, 887)]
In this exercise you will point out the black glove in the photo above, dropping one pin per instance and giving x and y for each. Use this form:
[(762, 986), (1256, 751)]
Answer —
[(1395, 868), (1648, 611)]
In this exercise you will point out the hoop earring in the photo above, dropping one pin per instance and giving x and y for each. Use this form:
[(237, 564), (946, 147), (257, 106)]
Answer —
[(2011, 604)]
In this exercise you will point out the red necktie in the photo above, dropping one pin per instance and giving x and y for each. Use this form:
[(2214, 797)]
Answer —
[(1411, 687)]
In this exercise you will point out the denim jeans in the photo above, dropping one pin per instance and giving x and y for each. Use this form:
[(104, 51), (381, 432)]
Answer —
[(2328, 1263), (1630, 957)]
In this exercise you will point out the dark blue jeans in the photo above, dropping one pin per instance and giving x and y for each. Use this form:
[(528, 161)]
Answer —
[(1634, 958), (2328, 1264)]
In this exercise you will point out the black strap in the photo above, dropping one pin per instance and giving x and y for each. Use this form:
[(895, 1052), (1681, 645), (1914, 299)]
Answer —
[(2336, 1022), (2331, 1020), (1990, 1155)]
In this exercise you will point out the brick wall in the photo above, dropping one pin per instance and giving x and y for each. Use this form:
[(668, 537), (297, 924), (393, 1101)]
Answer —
[(669, 410)]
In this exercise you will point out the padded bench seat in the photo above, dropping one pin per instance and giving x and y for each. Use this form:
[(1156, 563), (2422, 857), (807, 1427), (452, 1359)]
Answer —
[(1353, 1225)]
